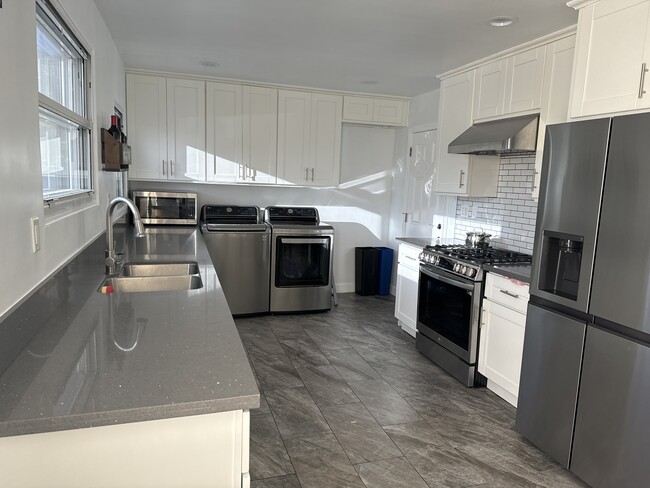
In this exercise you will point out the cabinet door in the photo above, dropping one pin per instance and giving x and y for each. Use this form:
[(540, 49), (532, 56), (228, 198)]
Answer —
[(325, 147), (455, 116), (260, 134), (186, 129), (555, 98), (147, 125), (406, 299), (610, 52), (294, 119), (525, 74), (389, 111), (490, 89), (224, 130), (502, 345), (358, 109)]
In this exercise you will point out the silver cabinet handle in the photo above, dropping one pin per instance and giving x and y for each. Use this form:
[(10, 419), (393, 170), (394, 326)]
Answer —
[(215, 165), (306, 174), (506, 292), (644, 70), (171, 167), (461, 184), (163, 166), (312, 175)]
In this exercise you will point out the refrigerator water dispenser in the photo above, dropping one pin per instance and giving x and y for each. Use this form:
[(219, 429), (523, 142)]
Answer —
[(560, 267)]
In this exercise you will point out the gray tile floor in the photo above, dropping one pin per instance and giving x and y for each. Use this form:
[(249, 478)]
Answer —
[(347, 401)]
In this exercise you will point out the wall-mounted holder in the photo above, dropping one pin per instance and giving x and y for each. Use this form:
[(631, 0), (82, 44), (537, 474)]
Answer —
[(115, 155)]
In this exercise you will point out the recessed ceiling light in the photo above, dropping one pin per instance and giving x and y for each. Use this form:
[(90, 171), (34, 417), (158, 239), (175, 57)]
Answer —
[(209, 64), (502, 21)]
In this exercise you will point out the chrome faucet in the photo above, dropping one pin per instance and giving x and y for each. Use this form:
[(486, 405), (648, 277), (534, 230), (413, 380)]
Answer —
[(111, 257)]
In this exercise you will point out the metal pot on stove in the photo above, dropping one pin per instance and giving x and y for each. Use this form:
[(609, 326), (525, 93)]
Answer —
[(477, 239)]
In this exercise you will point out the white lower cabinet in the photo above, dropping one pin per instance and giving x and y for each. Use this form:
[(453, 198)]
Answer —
[(501, 343), (209, 450), (406, 294)]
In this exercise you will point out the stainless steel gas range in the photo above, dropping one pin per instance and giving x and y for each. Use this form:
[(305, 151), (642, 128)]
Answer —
[(449, 302)]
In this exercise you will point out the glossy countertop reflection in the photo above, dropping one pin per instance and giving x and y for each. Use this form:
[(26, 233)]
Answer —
[(84, 359)]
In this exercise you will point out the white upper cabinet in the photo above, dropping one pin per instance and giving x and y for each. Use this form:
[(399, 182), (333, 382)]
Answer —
[(525, 72), (147, 125), (260, 105), (186, 129), (555, 98), (224, 132), (489, 94), (375, 110), (455, 116), (309, 138), (612, 57), (166, 127), (294, 121), (510, 85), (325, 140)]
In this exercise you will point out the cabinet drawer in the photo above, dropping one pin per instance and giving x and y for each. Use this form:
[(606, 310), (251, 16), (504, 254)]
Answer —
[(409, 256), (507, 292)]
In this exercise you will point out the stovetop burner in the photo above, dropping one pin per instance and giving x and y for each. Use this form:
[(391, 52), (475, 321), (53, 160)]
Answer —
[(467, 261), (486, 255)]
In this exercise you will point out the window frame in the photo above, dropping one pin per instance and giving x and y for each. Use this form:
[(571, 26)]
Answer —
[(49, 17)]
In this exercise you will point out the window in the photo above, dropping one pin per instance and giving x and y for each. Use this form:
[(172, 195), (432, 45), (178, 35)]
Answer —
[(63, 107)]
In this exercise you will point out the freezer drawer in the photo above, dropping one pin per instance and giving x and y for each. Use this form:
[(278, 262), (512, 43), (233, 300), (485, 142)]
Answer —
[(612, 435), (548, 387)]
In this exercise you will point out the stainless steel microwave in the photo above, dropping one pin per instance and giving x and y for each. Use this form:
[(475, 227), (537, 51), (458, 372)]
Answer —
[(166, 208)]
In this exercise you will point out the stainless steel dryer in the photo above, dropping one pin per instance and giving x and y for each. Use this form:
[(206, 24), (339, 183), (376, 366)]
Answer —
[(239, 245), (301, 260)]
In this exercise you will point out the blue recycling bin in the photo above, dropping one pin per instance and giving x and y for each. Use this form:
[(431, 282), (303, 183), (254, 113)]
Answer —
[(385, 270)]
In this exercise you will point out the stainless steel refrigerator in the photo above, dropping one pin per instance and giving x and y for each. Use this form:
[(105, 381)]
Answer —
[(584, 393)]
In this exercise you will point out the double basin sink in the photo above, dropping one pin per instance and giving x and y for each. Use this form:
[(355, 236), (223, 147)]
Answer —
[(160, 276)]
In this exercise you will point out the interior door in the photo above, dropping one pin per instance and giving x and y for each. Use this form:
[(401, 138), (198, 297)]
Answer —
[(419, 218)]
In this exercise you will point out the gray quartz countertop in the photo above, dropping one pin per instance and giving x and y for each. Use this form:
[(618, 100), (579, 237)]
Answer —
[(76, 358), (519, 272), (424, 241)]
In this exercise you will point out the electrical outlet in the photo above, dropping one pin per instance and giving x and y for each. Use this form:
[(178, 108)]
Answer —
[(36, 234), (471, 213), (464, 210)]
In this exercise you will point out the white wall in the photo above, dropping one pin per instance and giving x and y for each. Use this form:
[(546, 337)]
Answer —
[(357, 209), (67, 228)]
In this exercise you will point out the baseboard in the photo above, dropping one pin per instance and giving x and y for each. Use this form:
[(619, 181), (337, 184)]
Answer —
[(345, 287)]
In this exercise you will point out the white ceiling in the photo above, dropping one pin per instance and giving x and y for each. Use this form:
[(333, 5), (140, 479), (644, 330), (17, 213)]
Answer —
[(394, 47)]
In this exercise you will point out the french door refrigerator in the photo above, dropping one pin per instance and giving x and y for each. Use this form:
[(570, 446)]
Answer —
[(585, 383)]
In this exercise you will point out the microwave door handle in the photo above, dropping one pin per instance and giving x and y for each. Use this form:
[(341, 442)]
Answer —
[(449, 281), (305, 241)]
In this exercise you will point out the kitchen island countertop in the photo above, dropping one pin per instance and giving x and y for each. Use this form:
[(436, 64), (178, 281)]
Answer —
[(82, 359)]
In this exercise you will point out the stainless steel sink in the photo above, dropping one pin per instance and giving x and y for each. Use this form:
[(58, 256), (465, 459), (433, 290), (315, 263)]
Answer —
[(160, 269), (143, 277)]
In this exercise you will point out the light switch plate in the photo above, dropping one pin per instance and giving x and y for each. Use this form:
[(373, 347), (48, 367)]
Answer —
[(36, 234)]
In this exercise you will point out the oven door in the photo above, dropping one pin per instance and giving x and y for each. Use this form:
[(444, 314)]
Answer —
[(448, 312), (302, 261)]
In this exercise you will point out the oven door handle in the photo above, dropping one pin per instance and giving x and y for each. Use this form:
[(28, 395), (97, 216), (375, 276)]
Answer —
[(447, 280), (319, 240)]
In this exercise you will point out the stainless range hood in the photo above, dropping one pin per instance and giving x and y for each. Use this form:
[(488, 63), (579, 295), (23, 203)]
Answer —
[(513, 136)]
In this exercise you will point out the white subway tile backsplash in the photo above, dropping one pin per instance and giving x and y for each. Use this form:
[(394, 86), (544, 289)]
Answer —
[(511, 216)]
